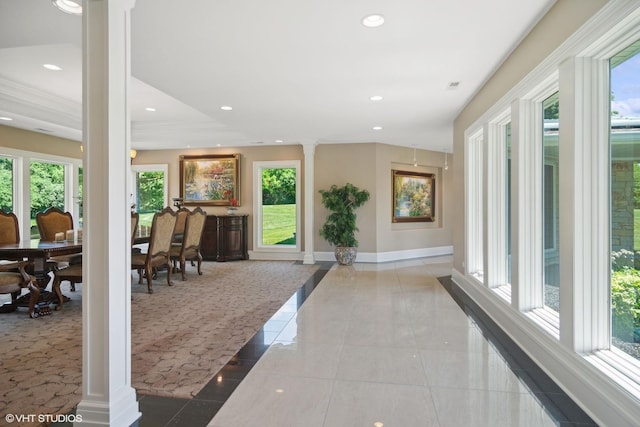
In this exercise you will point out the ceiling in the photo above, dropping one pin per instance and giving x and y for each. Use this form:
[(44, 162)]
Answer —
[(295, 72)]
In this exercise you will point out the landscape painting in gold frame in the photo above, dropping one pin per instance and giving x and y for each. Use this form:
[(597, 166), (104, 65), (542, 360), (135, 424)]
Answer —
[(211, 179), (413, 196)]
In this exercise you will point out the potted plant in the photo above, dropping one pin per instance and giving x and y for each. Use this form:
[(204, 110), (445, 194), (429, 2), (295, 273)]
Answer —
[(340, 226)]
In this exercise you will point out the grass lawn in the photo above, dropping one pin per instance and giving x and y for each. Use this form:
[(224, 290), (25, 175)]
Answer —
[(278, 224), (636, 229)]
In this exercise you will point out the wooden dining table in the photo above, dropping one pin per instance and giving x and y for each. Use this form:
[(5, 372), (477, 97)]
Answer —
[(37, 252)]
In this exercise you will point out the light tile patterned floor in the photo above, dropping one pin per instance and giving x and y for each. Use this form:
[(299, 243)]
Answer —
[(384, 345)]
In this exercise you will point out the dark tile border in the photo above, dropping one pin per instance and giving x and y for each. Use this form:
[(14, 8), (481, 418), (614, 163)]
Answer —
[(552, 398)]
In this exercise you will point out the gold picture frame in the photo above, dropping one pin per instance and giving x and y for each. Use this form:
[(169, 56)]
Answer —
[(413, 196), (212, 179)]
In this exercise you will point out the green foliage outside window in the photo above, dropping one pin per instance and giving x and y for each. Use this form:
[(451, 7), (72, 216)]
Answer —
[(47, 186), (6, 189), (150, 191), (279, 186), (625, 297)]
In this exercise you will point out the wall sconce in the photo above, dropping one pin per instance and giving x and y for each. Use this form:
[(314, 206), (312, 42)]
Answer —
[(133, 153), (446, 165)]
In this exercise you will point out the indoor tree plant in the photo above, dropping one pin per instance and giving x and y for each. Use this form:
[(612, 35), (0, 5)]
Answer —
[(340, 226)]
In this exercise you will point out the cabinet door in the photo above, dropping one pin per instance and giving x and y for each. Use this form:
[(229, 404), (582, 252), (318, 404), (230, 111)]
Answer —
[(209, 245)]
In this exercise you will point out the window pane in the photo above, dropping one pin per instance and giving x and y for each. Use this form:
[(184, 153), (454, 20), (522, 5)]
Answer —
[(625, 200), (6, 189), (149, 197), (550, 211), (80, 201), (279, 206), (47, 189)]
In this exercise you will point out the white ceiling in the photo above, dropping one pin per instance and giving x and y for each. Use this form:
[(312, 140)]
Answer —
[(293, 70)]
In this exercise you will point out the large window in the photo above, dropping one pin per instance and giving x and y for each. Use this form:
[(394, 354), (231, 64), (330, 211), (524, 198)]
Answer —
[(276, 198), (625, 200), (550, 209), (475, 211), (507, 190)]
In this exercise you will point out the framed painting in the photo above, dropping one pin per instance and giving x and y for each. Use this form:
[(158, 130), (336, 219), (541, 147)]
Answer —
[(413, 196), (212, 179)]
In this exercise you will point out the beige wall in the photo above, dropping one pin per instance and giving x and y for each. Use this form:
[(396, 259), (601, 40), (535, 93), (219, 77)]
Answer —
[(21, 139), (368, 166), (248, 155), (562, 20)]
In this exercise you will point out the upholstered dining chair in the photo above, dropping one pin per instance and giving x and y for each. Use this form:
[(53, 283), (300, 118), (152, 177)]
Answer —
[(50, 222), (189, 249), (180, 224), (162, 227), (13, 277)]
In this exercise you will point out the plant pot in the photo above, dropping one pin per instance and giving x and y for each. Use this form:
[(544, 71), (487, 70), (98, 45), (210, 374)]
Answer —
[(345, 255)]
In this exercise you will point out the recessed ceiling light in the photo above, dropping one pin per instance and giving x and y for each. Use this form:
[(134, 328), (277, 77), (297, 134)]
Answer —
[(52, 67), (376, 98), (8, 119), (68, 6), (150, 109), (218, 145), (279, 141), (372, 21), (226, 108), (377, 128)]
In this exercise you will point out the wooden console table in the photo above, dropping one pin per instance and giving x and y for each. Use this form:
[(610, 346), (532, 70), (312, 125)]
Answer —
[(224, 238)]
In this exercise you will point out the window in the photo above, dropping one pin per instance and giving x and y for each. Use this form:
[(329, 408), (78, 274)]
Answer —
[(277, 201), (625, 200), (149, 194), (550, 210), (507, 191), (6, 189)]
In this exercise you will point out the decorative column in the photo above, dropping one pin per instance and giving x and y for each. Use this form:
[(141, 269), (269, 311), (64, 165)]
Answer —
[(107, 396), (309, 180)]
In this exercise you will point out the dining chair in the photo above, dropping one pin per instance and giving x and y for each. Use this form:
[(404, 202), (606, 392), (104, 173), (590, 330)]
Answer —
[(13, 277), (180, 224), (162, 227), (50, 222), (189, 249), (135, 219)]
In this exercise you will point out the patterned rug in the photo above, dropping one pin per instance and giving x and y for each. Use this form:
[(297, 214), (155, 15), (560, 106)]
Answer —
[(181, 335)]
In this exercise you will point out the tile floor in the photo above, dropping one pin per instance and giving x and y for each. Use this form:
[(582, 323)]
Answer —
[(375, 345)]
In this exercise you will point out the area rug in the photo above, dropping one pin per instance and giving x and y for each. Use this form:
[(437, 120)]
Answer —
[(181, 335)]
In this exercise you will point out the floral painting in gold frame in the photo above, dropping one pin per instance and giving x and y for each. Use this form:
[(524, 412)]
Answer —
[(210, 179), (413, 196)]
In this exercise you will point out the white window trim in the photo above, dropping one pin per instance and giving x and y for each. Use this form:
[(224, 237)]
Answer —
[(258, 167), (474, 223)]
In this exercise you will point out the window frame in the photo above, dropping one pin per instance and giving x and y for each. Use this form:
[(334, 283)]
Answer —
[(258, 167)]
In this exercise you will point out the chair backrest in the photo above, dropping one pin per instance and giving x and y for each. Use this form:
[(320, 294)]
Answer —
[(193, 229), (181, 221), (164, 222), (135, 218), (9, 229), (53, 221)]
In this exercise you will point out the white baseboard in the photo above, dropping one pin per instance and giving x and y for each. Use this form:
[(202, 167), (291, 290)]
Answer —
[(378, 257), (595, 392), (368, 257)]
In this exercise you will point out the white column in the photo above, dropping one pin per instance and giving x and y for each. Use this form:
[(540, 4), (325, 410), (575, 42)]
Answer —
[(107, 395), (309, 180)]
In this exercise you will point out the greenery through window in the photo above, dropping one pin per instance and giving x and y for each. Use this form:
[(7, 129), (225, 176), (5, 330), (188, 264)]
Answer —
[(149, 195), (6, 189), (279, 206), (550, 210), (625, 200), (47, 189)]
